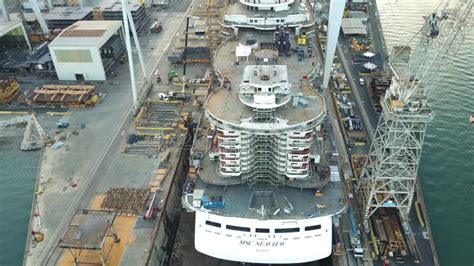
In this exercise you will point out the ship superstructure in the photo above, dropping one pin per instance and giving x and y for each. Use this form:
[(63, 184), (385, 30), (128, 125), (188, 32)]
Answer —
[(264, 180)]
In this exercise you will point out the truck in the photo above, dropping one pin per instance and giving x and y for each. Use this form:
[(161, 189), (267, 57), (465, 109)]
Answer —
[(355, 236), (173, 96)]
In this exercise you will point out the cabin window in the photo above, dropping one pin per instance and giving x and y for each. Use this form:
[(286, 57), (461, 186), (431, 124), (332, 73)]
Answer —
[(213, 224), (237, 228), (287, 230), (312, 227), (262, 230)]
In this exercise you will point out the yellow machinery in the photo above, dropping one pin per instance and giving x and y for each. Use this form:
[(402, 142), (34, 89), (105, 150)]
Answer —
[(302, 39), (9, 89), (39, 237)]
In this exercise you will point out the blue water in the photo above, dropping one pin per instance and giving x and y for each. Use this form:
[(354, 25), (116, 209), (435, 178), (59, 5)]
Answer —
[(17, 180), (447, 165)]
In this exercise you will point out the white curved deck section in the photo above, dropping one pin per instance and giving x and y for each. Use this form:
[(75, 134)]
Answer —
[(268, 248)]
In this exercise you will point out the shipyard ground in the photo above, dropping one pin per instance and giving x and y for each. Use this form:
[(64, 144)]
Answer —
[(92, 162)]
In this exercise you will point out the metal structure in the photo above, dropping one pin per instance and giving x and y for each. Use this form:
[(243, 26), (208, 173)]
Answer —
[(31, 141), (128, 22), (390, 172), (336, 11), (39, 17), (3, 9)]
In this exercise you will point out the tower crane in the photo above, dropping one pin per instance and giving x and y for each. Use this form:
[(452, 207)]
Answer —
[(389, 175)]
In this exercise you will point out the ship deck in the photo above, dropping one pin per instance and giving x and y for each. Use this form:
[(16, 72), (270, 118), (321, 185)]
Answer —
[(301, 193), (238, 201), (226, 105), (241, 9)]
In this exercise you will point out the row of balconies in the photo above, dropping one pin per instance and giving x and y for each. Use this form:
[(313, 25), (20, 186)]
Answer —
[(297, 158), (301, 145), (261, 154), (299, 151), (269, 164), (228, 134), (299, 135), (268, 2), (229, 144), (228, 171), (229, 164), (229, 150), (229, 157), (297, 173)]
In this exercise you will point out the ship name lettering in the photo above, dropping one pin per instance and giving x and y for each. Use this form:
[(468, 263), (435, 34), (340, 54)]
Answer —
[(262, 243)]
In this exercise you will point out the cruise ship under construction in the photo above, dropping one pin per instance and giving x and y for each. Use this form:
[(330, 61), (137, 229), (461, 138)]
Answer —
[(264, 181)]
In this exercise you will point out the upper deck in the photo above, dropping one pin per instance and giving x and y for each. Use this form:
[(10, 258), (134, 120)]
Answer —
[(240, 14), (226, 106)]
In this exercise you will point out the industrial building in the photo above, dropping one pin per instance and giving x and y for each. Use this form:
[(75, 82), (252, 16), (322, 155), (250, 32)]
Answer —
[(267, 15), (13, 35), (16, 53), (112, 10), (87, 50), (354, 26), (63, 17)]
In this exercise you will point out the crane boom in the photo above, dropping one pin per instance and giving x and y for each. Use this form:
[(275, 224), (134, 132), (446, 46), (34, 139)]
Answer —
[(389, 175), (436, 42)]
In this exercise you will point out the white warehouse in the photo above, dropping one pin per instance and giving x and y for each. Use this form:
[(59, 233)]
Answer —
[(87, 50)]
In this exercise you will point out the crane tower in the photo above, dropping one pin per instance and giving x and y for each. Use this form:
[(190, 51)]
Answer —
[(389, 175)]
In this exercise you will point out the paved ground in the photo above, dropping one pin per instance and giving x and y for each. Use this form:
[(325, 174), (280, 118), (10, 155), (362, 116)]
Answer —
[(94, 158)]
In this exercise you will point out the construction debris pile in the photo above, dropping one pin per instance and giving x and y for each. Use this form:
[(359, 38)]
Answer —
[(125, 201), (9, 89), (70, 96)]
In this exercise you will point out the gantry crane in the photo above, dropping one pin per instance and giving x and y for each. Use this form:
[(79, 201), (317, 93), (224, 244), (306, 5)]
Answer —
[(389, 175)]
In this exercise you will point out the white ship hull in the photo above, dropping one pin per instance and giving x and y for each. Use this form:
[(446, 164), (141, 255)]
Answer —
[(312, 242)]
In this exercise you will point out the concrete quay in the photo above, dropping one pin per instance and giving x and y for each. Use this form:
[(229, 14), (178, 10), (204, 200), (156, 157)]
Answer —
[(93, 160)]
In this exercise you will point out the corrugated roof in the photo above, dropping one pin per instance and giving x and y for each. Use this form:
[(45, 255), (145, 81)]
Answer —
[(354, 26), (67, 13), (116, 5), (7, 26), (87, 33), (83, 33)]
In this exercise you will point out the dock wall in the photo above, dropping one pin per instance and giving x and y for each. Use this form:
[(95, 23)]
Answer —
[(165, 232)]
